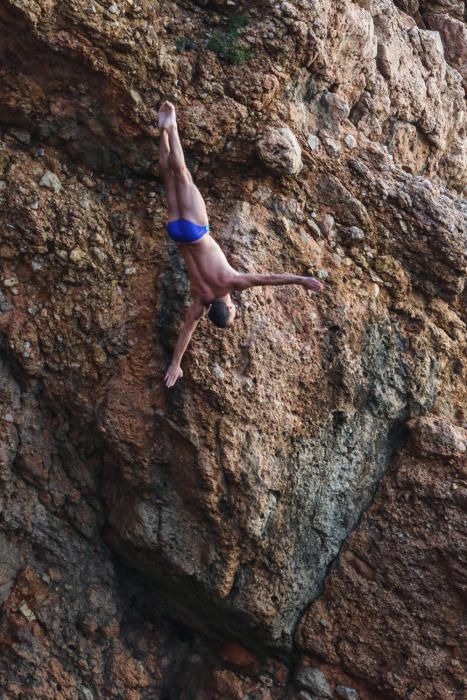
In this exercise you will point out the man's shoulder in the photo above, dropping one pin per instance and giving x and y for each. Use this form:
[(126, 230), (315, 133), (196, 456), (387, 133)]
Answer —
[(240, 281), (229, 278), (197, 307)]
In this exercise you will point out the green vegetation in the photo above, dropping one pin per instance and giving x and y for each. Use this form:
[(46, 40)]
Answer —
[(225, 43), (184, 43), (237, 22)]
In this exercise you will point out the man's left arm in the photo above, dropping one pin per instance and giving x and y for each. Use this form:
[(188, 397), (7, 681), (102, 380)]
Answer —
[(246, 281)]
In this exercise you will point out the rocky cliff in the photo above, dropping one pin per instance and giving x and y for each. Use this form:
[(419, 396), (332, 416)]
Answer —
[(286, 522)]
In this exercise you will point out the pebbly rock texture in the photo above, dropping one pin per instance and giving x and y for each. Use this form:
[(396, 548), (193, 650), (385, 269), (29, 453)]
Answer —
[(185, 543)]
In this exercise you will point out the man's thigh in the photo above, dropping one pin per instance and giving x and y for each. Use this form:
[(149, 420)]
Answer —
[(190, 200)]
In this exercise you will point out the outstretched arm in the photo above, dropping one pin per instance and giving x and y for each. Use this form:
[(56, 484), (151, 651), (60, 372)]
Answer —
[(193, 315), (242, 282)]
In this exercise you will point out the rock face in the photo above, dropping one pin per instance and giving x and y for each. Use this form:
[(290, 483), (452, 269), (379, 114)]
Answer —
[(454, 36), (289, 496), (389, 572)]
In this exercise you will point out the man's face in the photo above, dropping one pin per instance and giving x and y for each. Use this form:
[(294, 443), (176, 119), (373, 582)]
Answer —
[(233, 311)]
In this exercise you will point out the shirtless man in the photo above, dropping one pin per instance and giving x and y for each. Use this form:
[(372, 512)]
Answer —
[(212, 279)]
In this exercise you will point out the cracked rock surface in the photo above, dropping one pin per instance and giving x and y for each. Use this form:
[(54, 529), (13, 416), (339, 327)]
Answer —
[(287, 521)]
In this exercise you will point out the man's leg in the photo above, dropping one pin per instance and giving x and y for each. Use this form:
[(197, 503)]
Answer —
[(169, 179), (190, 201)]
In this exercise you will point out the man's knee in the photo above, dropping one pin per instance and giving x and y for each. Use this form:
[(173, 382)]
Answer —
[(180, 171)]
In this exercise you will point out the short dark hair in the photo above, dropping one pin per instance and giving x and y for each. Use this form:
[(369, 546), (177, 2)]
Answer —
[(219, 313)]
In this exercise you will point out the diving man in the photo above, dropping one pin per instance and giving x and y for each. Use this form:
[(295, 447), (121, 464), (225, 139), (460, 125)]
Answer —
[(212, 279)]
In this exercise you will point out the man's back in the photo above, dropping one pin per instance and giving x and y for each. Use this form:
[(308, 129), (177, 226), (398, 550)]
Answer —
[(208, 269)]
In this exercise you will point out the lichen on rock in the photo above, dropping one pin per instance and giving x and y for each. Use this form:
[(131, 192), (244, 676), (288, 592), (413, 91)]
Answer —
[(280, 150)]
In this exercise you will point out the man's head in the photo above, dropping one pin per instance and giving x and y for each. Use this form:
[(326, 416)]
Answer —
[(222, 312)]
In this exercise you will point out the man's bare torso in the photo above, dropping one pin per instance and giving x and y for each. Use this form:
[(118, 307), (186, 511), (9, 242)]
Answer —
[(209, 272)]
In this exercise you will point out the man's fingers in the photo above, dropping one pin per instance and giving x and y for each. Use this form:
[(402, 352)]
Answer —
[(315, 288), (170, 381)]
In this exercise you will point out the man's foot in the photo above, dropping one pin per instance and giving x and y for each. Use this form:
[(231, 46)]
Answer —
[(167, 117)]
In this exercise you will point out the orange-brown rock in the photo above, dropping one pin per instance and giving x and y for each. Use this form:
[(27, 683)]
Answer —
[(298, 493)]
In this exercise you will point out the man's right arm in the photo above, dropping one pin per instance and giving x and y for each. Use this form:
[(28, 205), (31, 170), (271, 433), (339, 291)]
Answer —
[(192, 318)]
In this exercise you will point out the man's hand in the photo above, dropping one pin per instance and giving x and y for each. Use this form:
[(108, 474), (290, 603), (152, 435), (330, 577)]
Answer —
[(193, 315), (173, 373), (312, 285)]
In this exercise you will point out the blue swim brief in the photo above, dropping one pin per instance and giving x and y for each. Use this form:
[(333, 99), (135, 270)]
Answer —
[(184, 231)]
